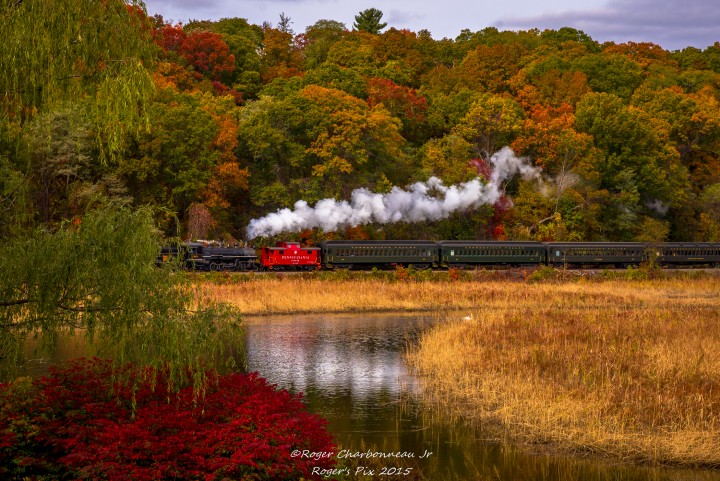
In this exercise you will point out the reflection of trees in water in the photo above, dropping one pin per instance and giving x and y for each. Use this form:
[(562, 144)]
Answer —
[(66, 346), (360, 357), (350, 369)]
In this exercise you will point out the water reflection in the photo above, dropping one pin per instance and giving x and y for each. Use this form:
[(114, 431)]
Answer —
[(37, 360), (351, 370), (338, 355)]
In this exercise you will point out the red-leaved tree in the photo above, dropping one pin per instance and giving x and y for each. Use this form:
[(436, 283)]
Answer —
[(206, 52)]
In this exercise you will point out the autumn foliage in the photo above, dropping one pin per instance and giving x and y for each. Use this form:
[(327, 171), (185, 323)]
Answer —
[(248, 119), (205, 51), (79, 424)]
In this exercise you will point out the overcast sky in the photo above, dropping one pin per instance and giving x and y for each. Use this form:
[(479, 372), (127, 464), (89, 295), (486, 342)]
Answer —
[(674, 24)]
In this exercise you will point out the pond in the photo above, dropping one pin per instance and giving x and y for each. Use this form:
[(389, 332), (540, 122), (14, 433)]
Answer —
[(351, 371)]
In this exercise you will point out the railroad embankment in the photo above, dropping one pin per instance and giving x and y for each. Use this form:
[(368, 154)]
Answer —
[(408, 290)]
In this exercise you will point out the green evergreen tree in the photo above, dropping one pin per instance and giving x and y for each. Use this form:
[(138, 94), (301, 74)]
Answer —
[(369, 21)]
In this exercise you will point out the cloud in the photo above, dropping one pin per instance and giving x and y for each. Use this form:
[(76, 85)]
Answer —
[(403, 18), (674, 24), (188, 5), (301, 12)]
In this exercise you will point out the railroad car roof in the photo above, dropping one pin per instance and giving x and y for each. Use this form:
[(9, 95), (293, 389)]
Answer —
[(370, 243), (595, 244), (686, 244), (454, 243), (289, 248)]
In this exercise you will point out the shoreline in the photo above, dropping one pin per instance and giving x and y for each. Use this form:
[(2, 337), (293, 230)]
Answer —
[(339, 312)]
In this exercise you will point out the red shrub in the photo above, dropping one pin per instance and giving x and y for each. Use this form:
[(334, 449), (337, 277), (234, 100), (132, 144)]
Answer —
[(76, 424)]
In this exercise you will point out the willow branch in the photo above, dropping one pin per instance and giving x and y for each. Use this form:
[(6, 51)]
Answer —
[(17, 302), (89, 309)]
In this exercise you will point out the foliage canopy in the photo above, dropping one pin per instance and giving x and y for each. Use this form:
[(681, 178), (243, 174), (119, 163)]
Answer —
[(72, 49), (243, 119)]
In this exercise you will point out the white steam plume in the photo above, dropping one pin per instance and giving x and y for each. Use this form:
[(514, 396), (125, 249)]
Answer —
[(658, 206), (415, 204)]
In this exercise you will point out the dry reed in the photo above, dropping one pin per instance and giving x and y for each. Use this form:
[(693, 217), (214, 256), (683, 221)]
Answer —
[(623, 369), (297, 294)]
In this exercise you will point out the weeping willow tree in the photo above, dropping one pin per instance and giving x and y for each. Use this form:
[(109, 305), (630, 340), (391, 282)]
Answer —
[(58, 51), (95, 277), (98, 279)]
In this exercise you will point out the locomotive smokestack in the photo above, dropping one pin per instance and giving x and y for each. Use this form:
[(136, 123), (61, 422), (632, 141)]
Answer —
[(415, 204)]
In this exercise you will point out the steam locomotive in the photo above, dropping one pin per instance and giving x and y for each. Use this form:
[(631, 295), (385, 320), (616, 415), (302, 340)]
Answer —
[(420, 254)]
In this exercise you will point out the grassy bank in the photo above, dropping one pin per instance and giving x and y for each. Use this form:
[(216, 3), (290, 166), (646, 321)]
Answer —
[(343, 291), (627, 369), (407, 290)]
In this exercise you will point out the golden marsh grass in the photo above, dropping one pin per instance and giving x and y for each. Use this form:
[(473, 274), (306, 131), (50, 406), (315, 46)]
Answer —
[(623, 369), (287, 294)]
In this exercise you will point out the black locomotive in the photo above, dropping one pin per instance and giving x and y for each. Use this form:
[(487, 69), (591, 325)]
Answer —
[(203, 257), (359, 255)]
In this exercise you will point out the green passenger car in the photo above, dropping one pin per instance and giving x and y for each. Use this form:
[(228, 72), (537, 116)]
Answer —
[(618, 254), (687, 253), (462, 254), (364, 254)]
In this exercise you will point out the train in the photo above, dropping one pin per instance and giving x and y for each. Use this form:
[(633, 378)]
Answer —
[(448, 254)]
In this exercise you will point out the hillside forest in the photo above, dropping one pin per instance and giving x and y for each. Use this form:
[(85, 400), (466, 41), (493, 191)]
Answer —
[(214, 123)]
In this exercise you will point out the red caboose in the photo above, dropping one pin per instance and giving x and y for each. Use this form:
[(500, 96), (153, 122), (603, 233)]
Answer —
[(290, 256)]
